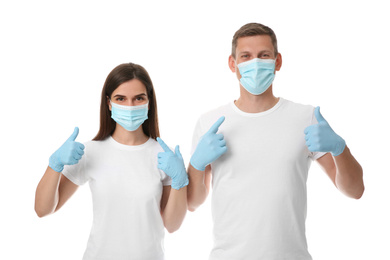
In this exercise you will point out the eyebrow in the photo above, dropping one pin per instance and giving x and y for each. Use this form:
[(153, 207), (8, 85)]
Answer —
[(139, 95), (248, 52)]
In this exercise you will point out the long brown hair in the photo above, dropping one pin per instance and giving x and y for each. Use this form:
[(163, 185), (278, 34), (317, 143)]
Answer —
[(117, 76)]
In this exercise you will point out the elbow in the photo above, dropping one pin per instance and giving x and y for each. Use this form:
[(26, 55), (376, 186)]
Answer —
[(172, 225), (192, 205), (360, 191), (171, 229), (191, 208), (354, 194), (360, 194), (40, 213)]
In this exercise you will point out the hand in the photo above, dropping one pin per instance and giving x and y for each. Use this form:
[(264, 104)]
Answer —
[(321, 137), (173, 165), (68, 154), (210, 147)]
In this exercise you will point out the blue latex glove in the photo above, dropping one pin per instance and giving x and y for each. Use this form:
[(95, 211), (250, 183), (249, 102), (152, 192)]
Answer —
[(322, 138), (173, 165), (210, 147), (68, 154)]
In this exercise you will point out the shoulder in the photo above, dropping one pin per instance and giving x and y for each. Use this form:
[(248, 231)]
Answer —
[(297, 112), (297, 108), (217, 111), (207, 119), (94, 144), (154, 146)]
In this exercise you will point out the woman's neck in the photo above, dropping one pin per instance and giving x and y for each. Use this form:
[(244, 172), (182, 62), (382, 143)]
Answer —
[(123, 136)]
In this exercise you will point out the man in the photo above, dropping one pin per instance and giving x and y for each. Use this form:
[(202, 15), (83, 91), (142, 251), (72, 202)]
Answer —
[(258, 150)]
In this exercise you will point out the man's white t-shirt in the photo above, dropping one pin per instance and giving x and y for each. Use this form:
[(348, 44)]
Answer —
[(126, 188), (259, 184)]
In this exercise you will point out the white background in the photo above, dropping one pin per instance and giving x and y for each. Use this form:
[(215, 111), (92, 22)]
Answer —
[(54, 59)]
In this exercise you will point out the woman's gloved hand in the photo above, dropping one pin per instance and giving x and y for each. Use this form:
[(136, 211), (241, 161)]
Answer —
[(68, 154), (172, 164)]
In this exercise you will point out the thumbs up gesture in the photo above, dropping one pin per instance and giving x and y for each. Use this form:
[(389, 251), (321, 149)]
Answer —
[(322, 138), (210, 147), (172, 164), (68, 154)]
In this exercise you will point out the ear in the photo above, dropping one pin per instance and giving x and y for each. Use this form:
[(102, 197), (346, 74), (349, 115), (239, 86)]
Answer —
[(232, 63), (108, 103), (278, 63)]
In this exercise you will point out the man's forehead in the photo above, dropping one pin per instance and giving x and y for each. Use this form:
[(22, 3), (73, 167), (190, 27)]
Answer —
[(255, 41)]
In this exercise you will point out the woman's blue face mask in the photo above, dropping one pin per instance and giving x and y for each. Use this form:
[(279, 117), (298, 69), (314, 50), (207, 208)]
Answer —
[(129, 117)]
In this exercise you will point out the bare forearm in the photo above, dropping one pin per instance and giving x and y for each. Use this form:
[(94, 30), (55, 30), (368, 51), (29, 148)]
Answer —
[(197, 189), (46, 196), (196, 196), (349, 175), (175, 210)]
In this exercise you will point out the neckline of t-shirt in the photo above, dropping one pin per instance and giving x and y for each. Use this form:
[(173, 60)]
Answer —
[(264, 113), (129, 147)]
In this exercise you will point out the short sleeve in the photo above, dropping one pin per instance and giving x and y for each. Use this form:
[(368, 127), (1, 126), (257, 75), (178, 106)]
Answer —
[(76, 173), (165, 179), (315, 155), (196, 135)]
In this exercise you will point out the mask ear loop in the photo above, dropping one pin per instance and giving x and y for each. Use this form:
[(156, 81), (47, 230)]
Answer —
[(109, 104)]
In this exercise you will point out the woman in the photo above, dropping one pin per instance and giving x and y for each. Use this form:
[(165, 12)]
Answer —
[(132, 198)]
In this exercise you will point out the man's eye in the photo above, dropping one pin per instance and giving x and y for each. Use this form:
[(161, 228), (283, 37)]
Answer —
[(245, 56)]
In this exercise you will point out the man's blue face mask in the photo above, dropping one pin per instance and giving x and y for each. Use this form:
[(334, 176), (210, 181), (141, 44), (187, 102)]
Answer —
[(257, 75), (129, 117)]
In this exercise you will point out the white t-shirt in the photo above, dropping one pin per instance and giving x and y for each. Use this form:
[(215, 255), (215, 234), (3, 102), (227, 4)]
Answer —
[(126, 188), (259, 184)]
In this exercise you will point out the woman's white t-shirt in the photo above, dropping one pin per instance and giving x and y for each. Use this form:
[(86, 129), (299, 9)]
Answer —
[(126, 188)]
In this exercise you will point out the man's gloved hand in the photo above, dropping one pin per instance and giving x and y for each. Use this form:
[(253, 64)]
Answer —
[(321, 137), (210, 147), (68, 154)]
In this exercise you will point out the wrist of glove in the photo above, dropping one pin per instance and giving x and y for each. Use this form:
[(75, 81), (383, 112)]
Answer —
[(180, 179), (55, 164), (196, 164), (339, 146)]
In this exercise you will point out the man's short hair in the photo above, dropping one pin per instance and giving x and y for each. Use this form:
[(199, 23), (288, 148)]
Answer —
[(253, 29)]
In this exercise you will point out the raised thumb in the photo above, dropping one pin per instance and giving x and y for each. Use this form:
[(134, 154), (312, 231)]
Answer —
[(74, 135), (318, 115)]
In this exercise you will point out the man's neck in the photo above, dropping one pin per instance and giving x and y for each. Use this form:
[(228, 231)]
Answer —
[(256, 103)]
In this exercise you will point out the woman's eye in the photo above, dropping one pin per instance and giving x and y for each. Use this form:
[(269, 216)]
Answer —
[(120, 99), (140, 98)]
